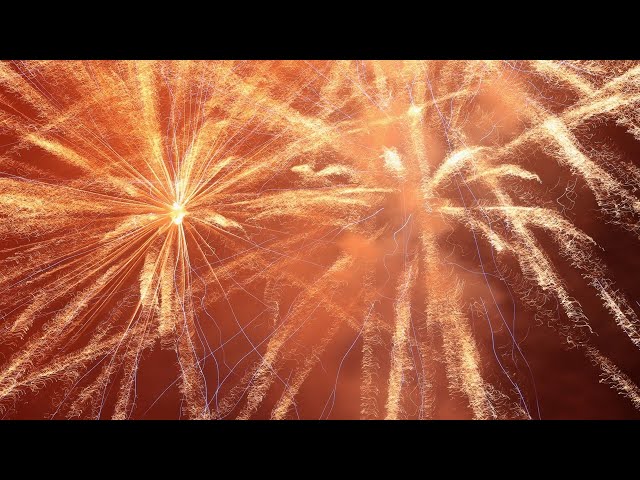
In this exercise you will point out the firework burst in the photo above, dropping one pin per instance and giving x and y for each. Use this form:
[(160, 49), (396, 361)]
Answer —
[(309, 239)]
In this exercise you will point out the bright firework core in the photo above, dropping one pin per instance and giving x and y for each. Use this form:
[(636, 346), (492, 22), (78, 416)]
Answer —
[(177, 213)]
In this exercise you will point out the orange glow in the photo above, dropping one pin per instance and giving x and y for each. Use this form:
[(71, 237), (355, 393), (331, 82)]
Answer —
[(319, 239)]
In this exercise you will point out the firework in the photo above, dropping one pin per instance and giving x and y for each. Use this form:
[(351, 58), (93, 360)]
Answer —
[(299, 239)]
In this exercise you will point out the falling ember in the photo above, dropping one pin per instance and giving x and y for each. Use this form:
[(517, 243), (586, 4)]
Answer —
[(326, 239)]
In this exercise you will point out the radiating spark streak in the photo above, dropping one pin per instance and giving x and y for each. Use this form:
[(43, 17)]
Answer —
[(233, 313), (509, 330), (493, 346), (264, 375), (210, 354), (613, 376), (400, 339), (395, 241), (332, 396)]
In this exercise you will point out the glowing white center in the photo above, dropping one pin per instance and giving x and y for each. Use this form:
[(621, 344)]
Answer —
[(177, 213)]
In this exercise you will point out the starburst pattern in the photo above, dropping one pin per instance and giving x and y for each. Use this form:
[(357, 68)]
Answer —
[(309, 239)]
